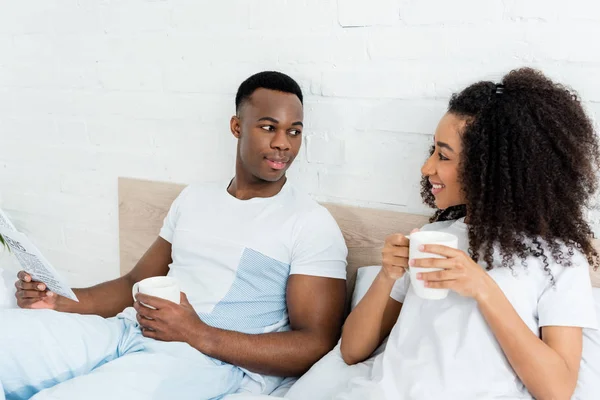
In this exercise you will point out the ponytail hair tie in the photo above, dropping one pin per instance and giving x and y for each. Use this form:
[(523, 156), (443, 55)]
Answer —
[(499, 88)]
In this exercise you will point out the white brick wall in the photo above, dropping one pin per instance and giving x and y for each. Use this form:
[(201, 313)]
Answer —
[(95, 89)]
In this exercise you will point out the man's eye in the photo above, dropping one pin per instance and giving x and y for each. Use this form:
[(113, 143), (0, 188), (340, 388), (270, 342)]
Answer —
[(269, 128), (295, 132)]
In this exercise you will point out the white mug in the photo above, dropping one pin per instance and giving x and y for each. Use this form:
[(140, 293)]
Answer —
[(158, 286), (422, 238)]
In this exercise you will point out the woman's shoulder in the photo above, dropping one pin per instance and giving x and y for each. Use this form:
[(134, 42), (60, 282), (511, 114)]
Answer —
[(556, 254), (550, 264)]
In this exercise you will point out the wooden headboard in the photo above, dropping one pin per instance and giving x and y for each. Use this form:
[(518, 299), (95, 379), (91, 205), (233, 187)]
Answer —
[(144, 204)]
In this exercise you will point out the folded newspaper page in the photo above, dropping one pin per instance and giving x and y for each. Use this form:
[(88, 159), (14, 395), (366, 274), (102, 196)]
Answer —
[(31, 260)]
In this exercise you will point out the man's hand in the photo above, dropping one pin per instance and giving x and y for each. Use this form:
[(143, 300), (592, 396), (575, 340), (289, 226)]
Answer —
[(32, 294), (170, 322)]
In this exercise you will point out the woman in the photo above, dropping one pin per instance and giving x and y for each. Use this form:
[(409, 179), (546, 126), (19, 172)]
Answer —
[(511, 171)]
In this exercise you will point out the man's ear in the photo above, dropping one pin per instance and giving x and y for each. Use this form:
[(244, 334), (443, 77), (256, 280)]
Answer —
[(235, 126)]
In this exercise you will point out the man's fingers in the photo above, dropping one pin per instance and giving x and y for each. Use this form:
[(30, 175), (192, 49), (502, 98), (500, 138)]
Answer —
[(152, 301), (30, 294), (27, 303), (146, 323), (183, 299), (144, 311), (149, 333), (22, 285), (24, 276)]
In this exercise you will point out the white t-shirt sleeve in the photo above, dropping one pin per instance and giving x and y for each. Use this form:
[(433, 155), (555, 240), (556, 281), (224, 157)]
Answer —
[(400, 288), (319, 248), (570, 302), (170, 221)]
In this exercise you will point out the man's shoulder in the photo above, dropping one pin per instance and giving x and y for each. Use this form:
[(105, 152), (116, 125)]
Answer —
[(300, 197), (204, 191), (309, 214), (303, 204)]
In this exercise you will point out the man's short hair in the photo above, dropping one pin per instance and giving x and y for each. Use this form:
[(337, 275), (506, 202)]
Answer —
[(272, 80)]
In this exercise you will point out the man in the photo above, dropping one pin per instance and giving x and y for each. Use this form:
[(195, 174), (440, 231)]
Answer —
[(261, 267)]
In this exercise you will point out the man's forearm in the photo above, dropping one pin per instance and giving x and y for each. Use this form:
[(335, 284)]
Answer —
[(289, 353), (106, 299)]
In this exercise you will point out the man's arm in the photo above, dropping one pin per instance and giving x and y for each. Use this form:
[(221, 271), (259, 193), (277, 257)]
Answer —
[(106, 299), (315, 308)]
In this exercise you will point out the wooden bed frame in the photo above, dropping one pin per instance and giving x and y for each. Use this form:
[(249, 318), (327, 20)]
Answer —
[(144, 204)]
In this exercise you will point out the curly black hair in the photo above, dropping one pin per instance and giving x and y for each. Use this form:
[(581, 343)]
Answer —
[(528, 170)]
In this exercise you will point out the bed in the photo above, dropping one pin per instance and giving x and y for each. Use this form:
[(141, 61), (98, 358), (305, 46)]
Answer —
[(144, 204)]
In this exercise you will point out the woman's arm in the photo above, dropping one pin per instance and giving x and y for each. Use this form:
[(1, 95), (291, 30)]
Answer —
[(370, 322), (374, 317), (549, 366)]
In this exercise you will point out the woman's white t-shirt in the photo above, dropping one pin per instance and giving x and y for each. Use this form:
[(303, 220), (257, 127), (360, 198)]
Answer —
[(444, 349)]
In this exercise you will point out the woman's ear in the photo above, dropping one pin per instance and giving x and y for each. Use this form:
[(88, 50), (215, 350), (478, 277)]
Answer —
[(235, 126)]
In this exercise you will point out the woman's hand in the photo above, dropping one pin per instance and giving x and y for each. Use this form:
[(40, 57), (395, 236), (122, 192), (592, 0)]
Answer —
[(460, 273), (395, 256)]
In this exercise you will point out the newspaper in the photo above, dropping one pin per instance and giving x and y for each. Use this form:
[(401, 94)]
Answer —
[(31, 260)]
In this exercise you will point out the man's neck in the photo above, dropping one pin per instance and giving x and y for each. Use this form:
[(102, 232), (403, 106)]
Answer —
[(244, 189)]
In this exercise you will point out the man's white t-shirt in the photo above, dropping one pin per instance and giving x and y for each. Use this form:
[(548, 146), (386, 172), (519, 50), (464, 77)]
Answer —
[(233, 257), (444, 349)]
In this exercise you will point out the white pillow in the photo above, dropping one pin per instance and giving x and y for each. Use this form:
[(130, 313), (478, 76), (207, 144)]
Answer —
[(364, 278), (331, 375)]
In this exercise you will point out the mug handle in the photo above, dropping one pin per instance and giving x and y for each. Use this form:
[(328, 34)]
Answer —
[(135, 290)]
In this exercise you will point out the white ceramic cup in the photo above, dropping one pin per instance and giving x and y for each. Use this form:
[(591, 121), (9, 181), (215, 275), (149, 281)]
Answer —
[(158, 286), (421, 238)]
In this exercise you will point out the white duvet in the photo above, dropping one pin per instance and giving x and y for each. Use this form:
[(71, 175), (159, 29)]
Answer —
[(331, 375)]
